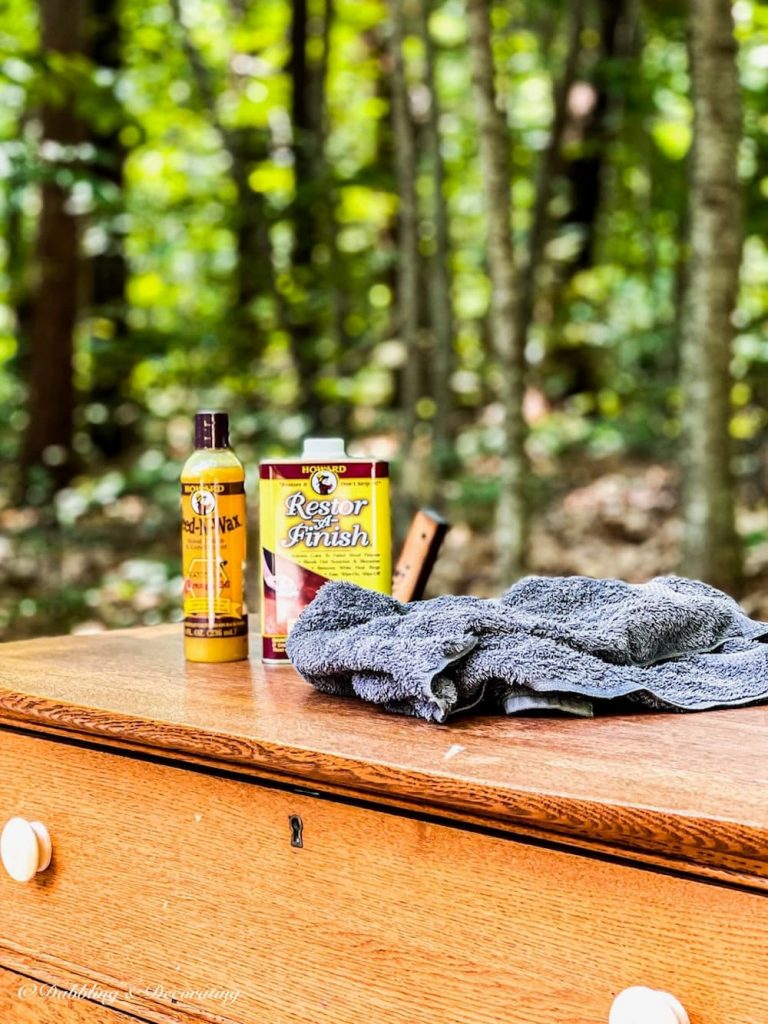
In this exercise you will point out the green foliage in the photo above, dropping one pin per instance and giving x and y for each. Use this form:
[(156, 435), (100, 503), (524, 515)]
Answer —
[(602, 347)]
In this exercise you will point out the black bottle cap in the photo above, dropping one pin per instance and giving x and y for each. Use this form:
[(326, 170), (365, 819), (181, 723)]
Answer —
[(211, 430)]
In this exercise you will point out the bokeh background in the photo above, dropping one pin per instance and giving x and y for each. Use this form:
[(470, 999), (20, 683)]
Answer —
[(285, 210)]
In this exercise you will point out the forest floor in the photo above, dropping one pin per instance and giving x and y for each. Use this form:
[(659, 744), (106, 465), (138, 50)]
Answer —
[(623, 522), (115, 564)]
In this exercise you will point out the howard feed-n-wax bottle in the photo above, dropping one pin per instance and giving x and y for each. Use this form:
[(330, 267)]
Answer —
[(213, 542), (323, 516)]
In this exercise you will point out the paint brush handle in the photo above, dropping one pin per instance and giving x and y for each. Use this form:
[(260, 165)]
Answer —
[(418, 555)]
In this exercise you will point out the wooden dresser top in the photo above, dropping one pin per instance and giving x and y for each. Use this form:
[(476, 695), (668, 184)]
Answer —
[(687, 792)]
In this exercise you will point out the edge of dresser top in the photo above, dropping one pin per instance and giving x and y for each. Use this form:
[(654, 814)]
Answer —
[(687, 792)]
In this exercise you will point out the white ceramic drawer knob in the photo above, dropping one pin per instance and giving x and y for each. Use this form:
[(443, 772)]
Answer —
[(25, 848), (640, 1005)]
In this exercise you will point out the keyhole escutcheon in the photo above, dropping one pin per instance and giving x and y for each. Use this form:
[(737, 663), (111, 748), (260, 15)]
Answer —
[(297, 830)]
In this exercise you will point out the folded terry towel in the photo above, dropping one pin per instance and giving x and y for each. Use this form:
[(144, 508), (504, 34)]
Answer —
[(560, 643)]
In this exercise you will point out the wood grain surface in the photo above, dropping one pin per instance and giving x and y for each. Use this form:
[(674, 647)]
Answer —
[(166, 877), (25, 1000), (101, 992), (689, 789)]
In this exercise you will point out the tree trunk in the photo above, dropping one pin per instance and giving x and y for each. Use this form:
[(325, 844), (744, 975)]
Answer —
[(441, 301), (112, 354), (254, 277), (51, 398), (307, 67), (710, 545), (511, 519), (408, 240), (547, 169), (335, 415), (352, 355), (585, 173), (18, 265), (246, 147)]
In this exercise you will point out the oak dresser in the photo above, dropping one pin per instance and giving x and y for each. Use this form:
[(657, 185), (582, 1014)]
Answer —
[(227, 845)]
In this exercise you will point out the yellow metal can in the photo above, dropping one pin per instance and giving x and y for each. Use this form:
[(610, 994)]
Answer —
[(323, 516)]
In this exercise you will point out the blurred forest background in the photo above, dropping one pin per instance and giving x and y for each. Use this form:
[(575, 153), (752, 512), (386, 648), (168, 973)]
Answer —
[(519, 248)]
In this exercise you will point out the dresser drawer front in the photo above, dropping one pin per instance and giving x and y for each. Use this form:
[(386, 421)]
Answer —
[(186, 884)]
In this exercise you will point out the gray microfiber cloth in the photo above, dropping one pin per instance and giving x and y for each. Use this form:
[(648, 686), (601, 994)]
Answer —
[(559, 643)]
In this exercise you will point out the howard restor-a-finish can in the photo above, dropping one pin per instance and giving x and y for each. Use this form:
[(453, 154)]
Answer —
[(323, 516)]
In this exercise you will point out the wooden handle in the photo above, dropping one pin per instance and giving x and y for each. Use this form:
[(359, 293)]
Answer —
[(418, 555), (25, 848), (641, 1005)]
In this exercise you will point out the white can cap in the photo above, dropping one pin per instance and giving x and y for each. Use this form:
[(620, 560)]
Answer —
[(324, 448)]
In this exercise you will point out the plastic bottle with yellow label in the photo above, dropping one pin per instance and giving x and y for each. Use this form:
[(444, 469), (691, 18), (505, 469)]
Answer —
[(213, 540)]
